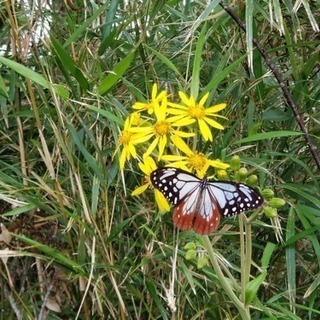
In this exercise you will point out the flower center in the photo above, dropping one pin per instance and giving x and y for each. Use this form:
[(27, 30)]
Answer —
[(197, 160), (162, 128), (196, 111), (125, 137)]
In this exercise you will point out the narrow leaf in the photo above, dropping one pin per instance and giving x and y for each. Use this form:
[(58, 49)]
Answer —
[(112, 78)]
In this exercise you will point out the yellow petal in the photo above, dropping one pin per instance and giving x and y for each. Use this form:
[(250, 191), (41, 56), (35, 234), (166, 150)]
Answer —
[(218, 164), (161, 201), (122, 158), (171, 157), (150, 163), (175, 106), (139, 105), (185, 99), (213, 123), (141, 138), (183, 134), (180, 144), (203, 99), (154, 91), (140, 189), (151, 147), (180, 165), (205, 130), (162, 145), (186, 121), (176, 118), (216, 108), (132, 150)]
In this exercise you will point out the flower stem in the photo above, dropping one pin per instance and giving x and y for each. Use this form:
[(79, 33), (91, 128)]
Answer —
[(244, 313)]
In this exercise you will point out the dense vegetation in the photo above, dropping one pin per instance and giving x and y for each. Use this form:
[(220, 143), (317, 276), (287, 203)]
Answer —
[(75, 242)]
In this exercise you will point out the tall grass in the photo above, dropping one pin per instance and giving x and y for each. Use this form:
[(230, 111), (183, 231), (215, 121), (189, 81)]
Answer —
[(74, 242)]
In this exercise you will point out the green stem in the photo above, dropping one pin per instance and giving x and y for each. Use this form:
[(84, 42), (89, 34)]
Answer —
[(242, 258), (244, 313), (246, 255)]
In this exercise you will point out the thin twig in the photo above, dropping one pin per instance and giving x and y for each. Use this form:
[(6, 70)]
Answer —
[(283, 86)]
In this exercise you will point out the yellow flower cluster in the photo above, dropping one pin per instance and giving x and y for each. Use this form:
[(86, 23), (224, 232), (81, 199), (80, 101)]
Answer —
[(159, 127)]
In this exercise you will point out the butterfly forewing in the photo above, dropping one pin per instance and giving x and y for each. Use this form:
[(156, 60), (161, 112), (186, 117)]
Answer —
[(174, 183), (200, 203), (234, 198)]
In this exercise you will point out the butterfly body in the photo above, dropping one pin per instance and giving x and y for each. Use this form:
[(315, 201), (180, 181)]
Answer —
[(199, 203)]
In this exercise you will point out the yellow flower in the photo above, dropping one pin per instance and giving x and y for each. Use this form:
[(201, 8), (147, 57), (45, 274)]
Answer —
[(191, 111), (147, 167), (127, 140), (153, 103), (193, 160), (160, 130)]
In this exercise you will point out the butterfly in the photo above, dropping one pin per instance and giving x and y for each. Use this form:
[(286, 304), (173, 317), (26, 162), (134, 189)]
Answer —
[(198, 203)]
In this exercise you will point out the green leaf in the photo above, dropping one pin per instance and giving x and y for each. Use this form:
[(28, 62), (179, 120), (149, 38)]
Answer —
[(19, 210), (269, 135), (117, 72), (267, 253), (153, 293), (68, 64), (298, 190), (110, 116), (301, 235), (31, 75), (26, 72), (3, 88), (220, 75), (89, 158), (253, 286), (195, 80), (164, 59), (291, 255), (57, 256), (83, 26)]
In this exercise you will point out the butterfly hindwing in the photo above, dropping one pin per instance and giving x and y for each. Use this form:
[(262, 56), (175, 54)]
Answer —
[(198, 203)]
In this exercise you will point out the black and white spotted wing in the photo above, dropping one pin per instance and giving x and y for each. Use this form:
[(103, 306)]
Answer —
[(199, 203)]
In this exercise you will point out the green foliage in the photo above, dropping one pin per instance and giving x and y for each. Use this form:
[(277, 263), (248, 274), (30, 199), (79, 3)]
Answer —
[(74, 242)]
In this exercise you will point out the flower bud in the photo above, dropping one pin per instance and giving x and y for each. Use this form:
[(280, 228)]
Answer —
[(190, 245), (202, 262), (267, 194), (235, 163), (252, 180), (270, 212), (191, 254), (222, 175), (276, 203), (242, 174)]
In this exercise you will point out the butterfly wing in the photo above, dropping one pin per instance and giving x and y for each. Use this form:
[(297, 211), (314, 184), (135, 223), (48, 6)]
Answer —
[(234, 198), (198, 210), (174, 183), (182, 190), (199, 204), (194, 205)]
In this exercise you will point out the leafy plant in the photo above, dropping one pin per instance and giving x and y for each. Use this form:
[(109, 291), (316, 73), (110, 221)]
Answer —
[(74, 241)]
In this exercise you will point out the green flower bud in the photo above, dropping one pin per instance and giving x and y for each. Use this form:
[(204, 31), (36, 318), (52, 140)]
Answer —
[(267, 194), (191, 254), (222, 175), (276, 203), (202, 262), (270, 212), (252, 180), (235, 163), (190, 245), (242, 174)]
